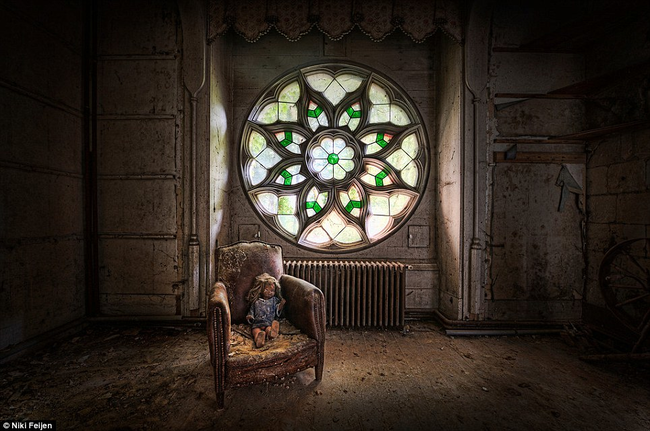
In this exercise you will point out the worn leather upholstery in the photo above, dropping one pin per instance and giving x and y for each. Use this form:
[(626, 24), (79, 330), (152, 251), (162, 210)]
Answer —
[(238, 265)]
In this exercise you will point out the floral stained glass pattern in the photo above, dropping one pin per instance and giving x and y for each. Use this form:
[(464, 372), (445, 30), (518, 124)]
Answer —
[(337, 160)]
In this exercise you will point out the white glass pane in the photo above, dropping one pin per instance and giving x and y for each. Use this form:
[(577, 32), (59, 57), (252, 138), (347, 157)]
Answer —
[(310, 212), (328, 145), (378, 94), (399, 159), (256, 173), (410, 174), (319, 164), (379, 114), (322, 199), (349, 82), (379, 205), (287, 204), (372, 148), (339, 172), (297, 179), (354, 123), (290, 93), (344, 198), (375, 225), (319, 81), (289, 223), (268, 202), (354, 194), (288, 112), (318, 236), (372, 170), (346, 153), (369, 139), (319, 153), (356, 212), (293, 170), (322, 120), (333, 224), (368, 179), (312, 195), (268, 158), (398, 115), (348, 165), (339, 144), (398, 203), (313, 123), (328, 172), (410, 145), (256, 143), (294, 148), (268, 114), (334, 93), (344, 120), (349, 235)]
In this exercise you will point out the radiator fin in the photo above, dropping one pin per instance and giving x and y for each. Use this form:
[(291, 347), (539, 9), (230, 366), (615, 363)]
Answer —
[(357, 293)]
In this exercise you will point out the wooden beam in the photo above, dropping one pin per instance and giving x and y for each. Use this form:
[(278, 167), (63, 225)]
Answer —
[(541, 157), (550, 95)]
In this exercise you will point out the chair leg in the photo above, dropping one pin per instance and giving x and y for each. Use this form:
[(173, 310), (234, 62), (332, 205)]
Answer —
[(220, 400), (318, 371)]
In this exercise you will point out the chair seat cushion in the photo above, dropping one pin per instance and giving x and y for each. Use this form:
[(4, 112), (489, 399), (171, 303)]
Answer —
[(291, 351)]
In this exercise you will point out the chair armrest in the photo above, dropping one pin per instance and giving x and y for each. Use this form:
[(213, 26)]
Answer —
[(305, 306), (219, 325)]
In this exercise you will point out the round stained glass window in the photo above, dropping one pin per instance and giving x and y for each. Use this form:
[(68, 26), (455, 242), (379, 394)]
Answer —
[(334, 157)]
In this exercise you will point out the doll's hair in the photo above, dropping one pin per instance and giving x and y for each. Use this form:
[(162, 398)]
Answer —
[(258, 285)]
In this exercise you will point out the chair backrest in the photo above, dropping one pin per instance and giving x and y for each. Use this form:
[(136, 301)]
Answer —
[(237, 266)]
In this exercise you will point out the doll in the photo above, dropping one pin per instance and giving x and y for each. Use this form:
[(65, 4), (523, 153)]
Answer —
[(266, 304)]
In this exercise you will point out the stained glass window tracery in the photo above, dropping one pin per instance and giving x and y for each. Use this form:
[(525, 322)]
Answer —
[(337, 160)]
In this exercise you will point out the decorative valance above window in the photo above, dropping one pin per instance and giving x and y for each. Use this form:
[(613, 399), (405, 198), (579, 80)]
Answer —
[(419, 19)]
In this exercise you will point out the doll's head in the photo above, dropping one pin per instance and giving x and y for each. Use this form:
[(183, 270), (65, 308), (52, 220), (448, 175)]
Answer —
[(265, 286)]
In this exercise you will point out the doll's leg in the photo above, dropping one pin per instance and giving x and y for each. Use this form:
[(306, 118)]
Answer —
[(275, 329), (259, 335)]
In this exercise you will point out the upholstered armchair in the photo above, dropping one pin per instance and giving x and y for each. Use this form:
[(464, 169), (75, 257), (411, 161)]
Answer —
[(239, 363)]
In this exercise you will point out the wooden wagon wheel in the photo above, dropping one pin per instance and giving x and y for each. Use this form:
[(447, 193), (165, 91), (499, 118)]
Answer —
[(624, 278)]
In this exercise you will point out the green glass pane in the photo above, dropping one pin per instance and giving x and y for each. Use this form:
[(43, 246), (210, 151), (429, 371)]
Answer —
[(333, 159), (352, 205), (381, 141), (352, 113), (314, 113)]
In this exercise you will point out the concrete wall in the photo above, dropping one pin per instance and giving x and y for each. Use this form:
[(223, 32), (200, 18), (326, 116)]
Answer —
[(41, 141), (410, 65), (140, 158)]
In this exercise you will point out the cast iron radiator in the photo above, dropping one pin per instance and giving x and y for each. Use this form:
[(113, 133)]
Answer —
[(357, 293)]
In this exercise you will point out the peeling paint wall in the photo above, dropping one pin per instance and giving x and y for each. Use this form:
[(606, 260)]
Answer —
[(449, 181), (140, 153), (41, 202)]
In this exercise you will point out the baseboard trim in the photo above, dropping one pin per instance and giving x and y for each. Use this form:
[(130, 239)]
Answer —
[(40, 341)]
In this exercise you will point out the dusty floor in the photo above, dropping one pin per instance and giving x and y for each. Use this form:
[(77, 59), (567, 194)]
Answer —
[(133, 378)]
